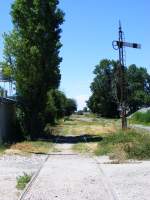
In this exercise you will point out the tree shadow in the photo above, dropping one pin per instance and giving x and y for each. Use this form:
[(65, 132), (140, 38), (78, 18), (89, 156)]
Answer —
[(75, 139)]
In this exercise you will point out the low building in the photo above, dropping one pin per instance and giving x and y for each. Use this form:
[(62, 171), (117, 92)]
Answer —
[(7, 119)]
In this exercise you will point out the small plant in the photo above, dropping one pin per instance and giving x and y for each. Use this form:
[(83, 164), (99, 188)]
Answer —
[(22, 181)]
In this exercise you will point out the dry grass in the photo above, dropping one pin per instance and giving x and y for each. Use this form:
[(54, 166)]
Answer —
[(85, 148), (83, 125), (38, 147), (79, 127), (118, 154), (80, 148)]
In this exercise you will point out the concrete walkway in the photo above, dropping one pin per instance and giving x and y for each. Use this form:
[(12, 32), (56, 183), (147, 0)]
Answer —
[(141, 127), (68, 176)]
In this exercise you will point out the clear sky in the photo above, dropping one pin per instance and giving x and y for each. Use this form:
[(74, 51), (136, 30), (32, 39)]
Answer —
[(88, 31)]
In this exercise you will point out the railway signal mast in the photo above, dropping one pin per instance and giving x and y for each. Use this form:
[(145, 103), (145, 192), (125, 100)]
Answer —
[(120, 46)]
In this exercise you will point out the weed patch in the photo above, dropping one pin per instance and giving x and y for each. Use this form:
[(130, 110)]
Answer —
[(22, 181), (125, 145)]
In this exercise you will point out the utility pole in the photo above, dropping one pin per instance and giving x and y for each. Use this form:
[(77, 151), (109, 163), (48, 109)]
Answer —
[(120, 44)]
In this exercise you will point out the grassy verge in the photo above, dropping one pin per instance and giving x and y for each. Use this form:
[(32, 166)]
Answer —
[(85, 148), (140, 118), (22, 181), (125, 145), (2, 149), (39, 147), (82, 125), (80, 148)]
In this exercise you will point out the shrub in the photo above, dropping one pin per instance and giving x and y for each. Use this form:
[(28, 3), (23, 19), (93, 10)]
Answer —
[(130, 144)]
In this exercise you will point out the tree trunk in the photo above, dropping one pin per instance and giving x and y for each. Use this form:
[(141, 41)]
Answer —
[(124, 119), (36, 128)]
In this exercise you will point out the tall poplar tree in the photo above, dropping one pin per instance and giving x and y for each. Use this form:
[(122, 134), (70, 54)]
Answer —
[(32, 50)]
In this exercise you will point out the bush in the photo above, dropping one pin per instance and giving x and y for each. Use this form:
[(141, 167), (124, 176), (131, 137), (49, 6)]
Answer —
[(130, 144)]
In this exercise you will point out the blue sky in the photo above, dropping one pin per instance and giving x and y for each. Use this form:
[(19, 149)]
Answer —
[(88, 31)]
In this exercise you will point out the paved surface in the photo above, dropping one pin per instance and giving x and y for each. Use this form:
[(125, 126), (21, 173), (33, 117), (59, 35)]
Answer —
[(67, 176), (12, 166), (130, 181), (140, 126)]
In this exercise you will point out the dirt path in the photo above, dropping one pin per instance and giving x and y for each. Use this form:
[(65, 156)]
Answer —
[(69, 176)]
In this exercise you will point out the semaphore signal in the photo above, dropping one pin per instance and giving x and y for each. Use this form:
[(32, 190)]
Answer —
[(120, 45)]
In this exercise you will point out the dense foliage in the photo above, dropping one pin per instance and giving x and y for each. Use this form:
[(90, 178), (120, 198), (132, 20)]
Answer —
[(58, 106), (32, 51), (138, 88), (103, 100), (105, 90)]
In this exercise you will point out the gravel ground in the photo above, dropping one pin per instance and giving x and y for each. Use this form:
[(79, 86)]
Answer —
[(12, 166), (130, 181)]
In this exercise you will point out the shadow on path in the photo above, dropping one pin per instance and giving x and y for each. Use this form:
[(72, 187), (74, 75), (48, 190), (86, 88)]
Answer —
[(75, 139)]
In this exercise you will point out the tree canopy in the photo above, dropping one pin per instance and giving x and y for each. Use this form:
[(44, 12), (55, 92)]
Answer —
[(105, 90), (138, 87), (32, 50)]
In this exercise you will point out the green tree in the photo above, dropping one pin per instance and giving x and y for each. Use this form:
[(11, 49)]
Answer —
[(106, 90), (32, 49), (56, 105), (59, 106), (71, 107), (138, 87), (102, 100)]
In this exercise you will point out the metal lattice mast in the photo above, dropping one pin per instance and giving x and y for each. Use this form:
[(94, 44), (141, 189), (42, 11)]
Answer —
[(120, 45), (122, 82)]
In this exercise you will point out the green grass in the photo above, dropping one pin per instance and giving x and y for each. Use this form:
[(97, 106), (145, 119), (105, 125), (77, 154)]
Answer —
[(83, 125), (129, 145), (91, 115), (22, 181), (141, 118)]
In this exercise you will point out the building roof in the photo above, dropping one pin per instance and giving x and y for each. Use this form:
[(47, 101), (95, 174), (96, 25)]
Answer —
[(7, 100)]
